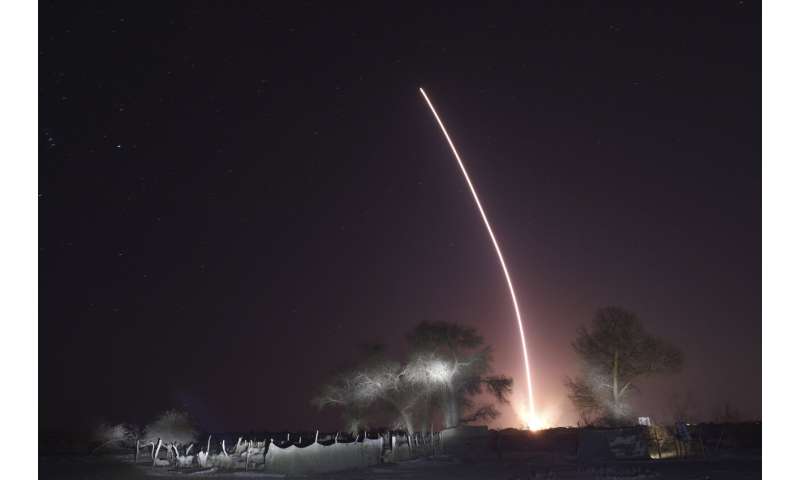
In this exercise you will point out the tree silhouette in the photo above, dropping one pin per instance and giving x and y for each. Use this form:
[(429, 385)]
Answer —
[(460, 365), (448, 365), (615, 352)]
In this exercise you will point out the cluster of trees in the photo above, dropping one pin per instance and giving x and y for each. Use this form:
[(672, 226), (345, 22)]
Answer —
[(616, 352), (448, 366), (171, 427)]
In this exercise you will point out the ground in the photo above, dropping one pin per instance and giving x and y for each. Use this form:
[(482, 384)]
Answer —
[(734, 467)]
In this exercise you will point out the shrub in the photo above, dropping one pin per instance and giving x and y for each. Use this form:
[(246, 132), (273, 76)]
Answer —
[(172, 426), (119, 434)]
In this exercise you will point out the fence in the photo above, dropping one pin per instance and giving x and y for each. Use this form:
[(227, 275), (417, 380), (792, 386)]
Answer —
[(402, 447), (288, 458), (319, 458)]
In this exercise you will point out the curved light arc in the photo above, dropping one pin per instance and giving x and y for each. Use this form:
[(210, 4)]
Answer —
[(496, 248)]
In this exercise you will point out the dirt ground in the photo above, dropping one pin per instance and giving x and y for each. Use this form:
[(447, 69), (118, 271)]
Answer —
[(739, 467)]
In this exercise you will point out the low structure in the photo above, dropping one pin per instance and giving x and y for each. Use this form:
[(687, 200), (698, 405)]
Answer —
[(601, 444), (466, 441), (318, 458)]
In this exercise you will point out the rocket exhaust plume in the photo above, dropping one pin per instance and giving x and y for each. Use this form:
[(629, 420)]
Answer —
[(531, 412)]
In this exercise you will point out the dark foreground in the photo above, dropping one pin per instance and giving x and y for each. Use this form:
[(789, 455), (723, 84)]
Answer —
[(523, 467)]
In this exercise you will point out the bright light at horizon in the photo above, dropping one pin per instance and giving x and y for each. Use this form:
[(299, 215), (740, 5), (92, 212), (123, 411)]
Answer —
[(530, 418), (534, 422), (538, 420)]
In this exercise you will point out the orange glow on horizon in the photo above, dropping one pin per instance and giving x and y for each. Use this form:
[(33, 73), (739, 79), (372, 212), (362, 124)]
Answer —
[(541, 419)]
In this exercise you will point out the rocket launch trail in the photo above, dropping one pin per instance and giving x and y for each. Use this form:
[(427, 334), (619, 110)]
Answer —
[(530, 416)]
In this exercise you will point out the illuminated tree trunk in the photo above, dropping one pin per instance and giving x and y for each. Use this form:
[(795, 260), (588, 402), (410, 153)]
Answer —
[(614, 379), (452, 410), (426, 415), (617, 391), (155, 452), (407, 421)]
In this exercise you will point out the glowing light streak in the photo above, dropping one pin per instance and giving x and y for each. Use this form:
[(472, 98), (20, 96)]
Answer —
[(531, 417)]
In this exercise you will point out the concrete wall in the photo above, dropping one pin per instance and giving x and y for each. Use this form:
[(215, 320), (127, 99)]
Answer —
[(466, 441), (317, 458)]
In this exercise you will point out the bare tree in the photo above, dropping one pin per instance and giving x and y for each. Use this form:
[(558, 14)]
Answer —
[(375, 386), (456, 359), (584, 398), (120, 434), (172, 427), (340, 391), (615, 352), (386, 384)]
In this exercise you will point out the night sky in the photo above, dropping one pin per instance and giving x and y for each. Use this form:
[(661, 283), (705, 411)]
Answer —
[(235, 197)]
